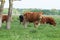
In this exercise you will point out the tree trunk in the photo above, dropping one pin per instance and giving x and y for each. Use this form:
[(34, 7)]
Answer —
[(9, 14), (1, 11)]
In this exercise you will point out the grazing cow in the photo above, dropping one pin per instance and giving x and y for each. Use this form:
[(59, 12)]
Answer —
[(21, 18), (48, 20), (5, 18), (33, 17)]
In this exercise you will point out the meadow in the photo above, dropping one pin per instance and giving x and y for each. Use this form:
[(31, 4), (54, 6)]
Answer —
[(18, 32)]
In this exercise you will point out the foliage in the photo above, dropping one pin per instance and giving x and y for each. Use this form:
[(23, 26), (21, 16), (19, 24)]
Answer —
[(45, 11), (15, 11)]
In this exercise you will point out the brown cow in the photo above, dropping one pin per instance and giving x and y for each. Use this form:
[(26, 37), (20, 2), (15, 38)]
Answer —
[(5, 18), (48, 20), (33, 17)]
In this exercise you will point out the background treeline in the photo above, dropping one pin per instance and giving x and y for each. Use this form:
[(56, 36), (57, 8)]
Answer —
[(45, 11)]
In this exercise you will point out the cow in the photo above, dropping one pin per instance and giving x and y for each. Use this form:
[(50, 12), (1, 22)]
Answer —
[(5, 18), (32, 17), (48, 20)]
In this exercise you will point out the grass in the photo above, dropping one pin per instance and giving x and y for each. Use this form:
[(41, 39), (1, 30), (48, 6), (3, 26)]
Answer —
[(17, 31)]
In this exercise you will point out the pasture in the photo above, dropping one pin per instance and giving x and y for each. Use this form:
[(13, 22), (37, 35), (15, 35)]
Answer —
[(43, 32)]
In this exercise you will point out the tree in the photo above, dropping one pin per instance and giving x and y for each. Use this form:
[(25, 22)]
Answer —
[(1, 11), (16, 0), (10, 13)]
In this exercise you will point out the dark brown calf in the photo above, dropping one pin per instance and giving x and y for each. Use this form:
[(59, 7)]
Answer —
[(4, 18), (48, 20)]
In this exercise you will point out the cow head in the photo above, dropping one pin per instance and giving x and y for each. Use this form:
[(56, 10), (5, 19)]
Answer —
[(40, 14)]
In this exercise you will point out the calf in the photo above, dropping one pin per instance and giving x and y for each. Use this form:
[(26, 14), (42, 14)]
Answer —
[(48, 20), (5, 18)]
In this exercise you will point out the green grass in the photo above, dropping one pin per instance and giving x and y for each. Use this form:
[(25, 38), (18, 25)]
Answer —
[(17, 31)]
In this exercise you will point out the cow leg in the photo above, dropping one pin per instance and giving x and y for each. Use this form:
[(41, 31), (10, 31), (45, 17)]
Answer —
[(6, 21), (35, 24), (38, 24), (2, 21), (25, 23)]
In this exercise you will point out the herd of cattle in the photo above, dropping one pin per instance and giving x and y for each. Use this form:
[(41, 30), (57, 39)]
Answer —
[(36, 18)]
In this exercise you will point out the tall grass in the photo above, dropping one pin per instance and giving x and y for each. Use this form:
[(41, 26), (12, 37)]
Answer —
[(17, 31)]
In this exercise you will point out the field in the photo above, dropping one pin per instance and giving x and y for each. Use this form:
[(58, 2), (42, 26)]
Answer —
[(18, 32)]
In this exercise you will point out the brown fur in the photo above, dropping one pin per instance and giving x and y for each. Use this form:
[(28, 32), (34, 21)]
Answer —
[(5, 18)]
